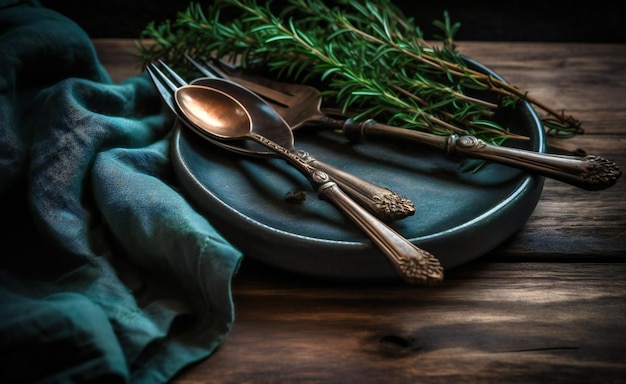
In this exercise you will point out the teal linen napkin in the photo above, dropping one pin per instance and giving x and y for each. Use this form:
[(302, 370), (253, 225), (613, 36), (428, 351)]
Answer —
[(107, 274)]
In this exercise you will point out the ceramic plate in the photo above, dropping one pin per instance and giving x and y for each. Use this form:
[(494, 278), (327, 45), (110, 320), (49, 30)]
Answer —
[(459, 215)]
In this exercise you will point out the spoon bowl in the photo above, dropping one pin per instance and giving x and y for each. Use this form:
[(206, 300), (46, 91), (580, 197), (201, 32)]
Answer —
[(214, 112)]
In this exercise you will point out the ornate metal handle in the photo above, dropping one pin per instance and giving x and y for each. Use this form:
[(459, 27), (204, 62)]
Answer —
[(587, 172), (414, 265), (382, 202)]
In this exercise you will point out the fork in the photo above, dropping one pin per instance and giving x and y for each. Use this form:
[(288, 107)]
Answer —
[(297, 104), (413, 264), (300, 104)]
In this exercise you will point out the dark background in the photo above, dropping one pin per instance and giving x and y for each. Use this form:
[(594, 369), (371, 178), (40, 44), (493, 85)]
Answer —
[(547, 21)]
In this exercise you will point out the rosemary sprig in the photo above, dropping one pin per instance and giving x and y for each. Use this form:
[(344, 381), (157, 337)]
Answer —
[(370, 57)]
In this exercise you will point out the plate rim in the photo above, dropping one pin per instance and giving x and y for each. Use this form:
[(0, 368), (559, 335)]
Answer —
[(529, 188)]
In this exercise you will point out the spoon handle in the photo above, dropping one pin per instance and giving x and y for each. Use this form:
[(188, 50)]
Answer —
[(382, 202), (587, 172), (414, 265)]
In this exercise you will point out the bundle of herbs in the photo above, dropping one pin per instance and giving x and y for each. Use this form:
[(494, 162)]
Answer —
[(368, 55)]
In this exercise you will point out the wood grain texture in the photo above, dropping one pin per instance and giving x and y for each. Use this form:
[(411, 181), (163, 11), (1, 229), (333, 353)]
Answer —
[(548, 305), (488, 322)]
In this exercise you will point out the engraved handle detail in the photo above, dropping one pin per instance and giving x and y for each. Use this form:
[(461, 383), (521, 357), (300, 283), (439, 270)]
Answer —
[(382, 202), (589, 172), (414, 265)]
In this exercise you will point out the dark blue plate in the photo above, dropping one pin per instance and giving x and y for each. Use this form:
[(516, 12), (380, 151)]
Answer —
[(459, 215)]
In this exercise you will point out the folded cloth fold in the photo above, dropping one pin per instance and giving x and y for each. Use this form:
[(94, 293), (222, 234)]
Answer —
[(107, 273)]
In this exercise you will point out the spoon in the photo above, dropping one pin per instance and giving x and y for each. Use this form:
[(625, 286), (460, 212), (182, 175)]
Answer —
[(381, 201), (221, 115)]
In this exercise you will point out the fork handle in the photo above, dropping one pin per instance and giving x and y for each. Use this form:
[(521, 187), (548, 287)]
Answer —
[(413, 264), (587, 172)]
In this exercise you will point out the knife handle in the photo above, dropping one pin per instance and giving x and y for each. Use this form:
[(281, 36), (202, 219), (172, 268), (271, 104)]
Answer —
[(590, 172)]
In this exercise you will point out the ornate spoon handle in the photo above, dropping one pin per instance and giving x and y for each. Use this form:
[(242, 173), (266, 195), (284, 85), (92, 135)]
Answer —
[(587, 172), (414, 265), (382, 202)]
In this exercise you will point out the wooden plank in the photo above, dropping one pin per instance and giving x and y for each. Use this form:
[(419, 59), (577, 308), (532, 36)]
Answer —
[(489, 322), (585, 80), (118, 56)]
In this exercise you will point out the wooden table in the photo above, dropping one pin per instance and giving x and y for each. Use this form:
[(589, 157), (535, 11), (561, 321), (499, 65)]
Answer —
[(549, 305)]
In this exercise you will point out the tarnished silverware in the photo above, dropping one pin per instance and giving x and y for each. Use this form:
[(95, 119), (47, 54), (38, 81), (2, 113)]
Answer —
[(223, 110), (381, 201), (300, 104)]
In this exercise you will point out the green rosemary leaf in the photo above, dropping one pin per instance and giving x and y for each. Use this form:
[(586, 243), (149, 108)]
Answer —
[(327, 73)]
